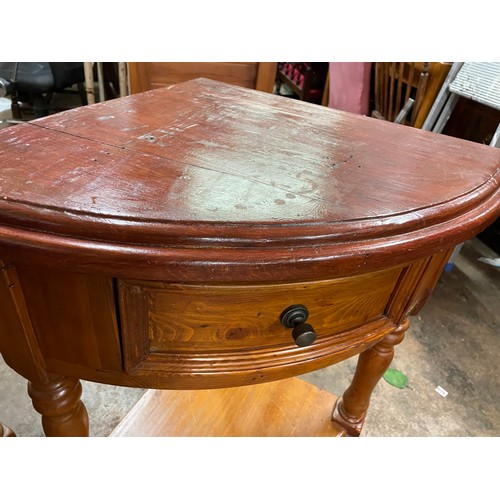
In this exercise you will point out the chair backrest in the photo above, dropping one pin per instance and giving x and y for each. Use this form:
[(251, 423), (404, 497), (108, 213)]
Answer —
[(67, 73), (397, 82)]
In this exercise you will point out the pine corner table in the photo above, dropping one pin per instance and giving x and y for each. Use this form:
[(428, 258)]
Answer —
[(207, 236)]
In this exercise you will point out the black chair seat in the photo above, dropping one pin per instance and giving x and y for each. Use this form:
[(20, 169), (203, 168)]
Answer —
[(35, 82), (31, 76)]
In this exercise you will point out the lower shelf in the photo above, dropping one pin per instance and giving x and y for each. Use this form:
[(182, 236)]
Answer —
[(287, 408)]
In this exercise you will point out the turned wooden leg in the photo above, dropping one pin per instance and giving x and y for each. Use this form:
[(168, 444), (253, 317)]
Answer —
[(350, 410), (58, 401), (5, 431)]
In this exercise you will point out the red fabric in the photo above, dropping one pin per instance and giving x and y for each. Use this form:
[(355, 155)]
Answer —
[(350, 86)]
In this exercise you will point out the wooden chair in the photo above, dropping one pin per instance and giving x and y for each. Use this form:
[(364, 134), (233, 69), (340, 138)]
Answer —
[(411, 84)]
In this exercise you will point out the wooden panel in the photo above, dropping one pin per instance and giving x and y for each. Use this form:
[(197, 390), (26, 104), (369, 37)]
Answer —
[(207, 318), (150, 75), (167, 73), (73, 316), (425, 286), (139, 77), (288, 408), (472, 121), (403, 295), (18, 343), (415, 285), (266, 76)]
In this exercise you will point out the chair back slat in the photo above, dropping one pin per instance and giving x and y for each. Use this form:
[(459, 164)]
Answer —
[(398, 82)]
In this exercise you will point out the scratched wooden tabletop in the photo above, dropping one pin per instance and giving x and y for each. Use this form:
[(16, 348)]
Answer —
[(204, 161)]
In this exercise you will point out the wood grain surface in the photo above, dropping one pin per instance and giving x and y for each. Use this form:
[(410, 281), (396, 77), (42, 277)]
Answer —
[(237, 181), (288, 408), (208, 318)]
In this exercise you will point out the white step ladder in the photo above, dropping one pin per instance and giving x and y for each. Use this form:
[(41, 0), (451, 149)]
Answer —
[(479, 82)]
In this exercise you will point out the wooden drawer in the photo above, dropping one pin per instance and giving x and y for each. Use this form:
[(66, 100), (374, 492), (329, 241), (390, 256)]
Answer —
[(170, 324)]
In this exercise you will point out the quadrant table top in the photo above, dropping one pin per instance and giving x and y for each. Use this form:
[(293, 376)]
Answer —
[(208, 165)]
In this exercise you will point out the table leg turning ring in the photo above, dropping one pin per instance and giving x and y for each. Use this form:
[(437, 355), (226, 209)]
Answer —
[(58, 401), (6, 431), (350, 409)]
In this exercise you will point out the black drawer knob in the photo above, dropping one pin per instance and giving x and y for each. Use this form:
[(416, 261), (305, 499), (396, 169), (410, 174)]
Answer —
[(295, 317)]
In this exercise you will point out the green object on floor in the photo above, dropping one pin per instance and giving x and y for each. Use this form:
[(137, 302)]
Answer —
[(396, 378)]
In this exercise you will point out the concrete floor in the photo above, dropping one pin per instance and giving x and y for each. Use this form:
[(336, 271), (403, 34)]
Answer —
[(453, 343)]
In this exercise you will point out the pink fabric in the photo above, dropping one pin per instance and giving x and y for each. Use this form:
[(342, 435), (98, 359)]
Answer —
[(350, 86)]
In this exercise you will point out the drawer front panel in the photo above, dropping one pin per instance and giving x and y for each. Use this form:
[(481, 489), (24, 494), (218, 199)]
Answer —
[(160, 317)]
